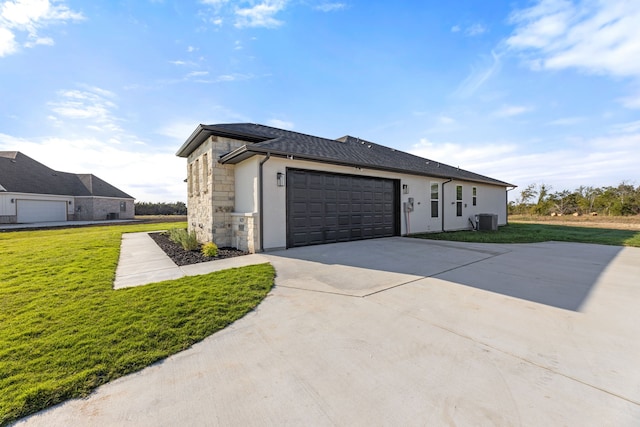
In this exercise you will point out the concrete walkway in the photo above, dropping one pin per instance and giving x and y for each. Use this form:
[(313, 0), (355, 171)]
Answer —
[(142, 262), (406, 332)]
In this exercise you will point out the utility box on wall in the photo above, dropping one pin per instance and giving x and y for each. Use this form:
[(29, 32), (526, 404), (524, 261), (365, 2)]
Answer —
[(487, 222)]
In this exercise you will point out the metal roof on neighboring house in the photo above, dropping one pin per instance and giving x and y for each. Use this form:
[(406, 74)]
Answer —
[(348, 150), (19, 173)]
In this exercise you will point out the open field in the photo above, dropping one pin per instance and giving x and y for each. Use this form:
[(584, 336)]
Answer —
[(532, 232), (612, 222), (64, 331)]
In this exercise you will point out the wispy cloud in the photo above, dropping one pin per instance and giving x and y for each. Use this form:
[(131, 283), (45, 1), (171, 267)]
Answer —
[(25, 19), (479, 76), (330, 7), (475, 30), (472, 30), (260, 15), (197, 74), (93, 105), (608, 160), (512, 110), (282, 124), (599, 37), (566, 121)]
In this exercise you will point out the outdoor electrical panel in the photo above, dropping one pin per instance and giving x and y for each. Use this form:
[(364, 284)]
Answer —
[(410, 204)]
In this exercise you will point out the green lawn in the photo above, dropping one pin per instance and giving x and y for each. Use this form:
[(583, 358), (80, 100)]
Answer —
[(531, 233), (64, 330)]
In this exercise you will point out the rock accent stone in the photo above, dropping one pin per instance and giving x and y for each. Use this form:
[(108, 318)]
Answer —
[(211, 192)]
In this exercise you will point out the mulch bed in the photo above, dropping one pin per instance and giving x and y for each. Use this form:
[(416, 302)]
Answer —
[(181, 257)]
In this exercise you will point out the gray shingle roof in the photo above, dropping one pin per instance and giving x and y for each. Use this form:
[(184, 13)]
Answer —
[(347, 150), (21, 174)]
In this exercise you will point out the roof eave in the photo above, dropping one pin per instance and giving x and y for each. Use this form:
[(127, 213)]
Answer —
[(245, 152), (203, 132)]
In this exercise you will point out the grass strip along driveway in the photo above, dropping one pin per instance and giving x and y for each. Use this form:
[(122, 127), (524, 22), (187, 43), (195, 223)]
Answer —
[(532, 233), (64, 330)]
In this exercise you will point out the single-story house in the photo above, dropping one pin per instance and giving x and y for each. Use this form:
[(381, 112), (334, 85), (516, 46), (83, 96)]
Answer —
[(259, 188), (32, 192)]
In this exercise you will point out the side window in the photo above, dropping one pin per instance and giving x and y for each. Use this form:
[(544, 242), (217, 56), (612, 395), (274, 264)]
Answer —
[(435, 196), (190, 179), (123, 206), (458, 200), (474, 192)]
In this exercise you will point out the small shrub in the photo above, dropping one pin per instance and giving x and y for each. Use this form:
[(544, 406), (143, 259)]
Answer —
[(187, 240), (210, 249)]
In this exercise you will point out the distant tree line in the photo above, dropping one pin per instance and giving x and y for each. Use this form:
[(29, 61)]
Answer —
[(147, 208), (538, 199)]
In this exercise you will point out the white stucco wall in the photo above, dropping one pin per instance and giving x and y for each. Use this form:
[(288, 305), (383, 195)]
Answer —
[(246, 185), (490, 199)]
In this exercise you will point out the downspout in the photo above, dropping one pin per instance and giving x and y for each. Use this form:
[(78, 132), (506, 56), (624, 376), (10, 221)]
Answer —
[(450, 179), (261, 201)]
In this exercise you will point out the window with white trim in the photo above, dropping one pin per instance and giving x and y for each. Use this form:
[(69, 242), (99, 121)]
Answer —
[(435, 197), (474, 192), (458, 200)]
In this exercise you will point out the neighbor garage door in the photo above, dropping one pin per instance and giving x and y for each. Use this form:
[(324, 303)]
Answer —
[(41, 211), (325, 207)]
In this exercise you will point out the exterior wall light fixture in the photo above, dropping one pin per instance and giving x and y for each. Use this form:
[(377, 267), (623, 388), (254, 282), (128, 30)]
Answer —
[(281, 179)]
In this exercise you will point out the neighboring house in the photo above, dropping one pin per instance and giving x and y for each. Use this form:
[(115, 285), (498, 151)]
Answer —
[(258, 188), (32, 192)]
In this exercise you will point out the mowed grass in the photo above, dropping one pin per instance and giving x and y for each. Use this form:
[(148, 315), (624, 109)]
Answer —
[(64, 330), (531, 233)]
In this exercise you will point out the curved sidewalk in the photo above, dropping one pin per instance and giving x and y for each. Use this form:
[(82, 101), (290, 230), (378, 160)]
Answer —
[(142, 261)]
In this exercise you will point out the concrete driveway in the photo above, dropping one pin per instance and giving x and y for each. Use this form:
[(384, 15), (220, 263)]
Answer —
[(406, 332)]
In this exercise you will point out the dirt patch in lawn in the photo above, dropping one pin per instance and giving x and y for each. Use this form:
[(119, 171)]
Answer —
[(611, 222)]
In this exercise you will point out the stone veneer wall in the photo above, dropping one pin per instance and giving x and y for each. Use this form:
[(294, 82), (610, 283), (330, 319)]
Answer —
[(97, 208), (211, 191), (245, 231)]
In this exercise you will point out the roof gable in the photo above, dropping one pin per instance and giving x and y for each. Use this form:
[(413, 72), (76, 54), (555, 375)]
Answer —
[(22, 174)]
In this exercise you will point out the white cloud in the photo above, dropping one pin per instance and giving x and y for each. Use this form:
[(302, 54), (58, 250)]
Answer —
[(605, 160), (91, 104), (470, 31), (148, 175), (232, 77), (630, 127), (566, 121), (330, 7), (282, 124), (475, 30), (512, 110), (30, 17), (600, 37), (191, 49), (197, 74), (42, 41), (260, 15), (446, 120), (632, 102), (8, 43)]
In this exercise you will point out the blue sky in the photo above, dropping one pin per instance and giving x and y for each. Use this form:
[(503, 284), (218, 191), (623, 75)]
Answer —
[(523, 91)]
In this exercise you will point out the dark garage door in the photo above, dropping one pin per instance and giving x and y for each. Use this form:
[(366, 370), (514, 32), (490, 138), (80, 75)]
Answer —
[(325, 207)]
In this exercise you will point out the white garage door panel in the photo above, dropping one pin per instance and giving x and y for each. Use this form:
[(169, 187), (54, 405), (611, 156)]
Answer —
[(41, 211)]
